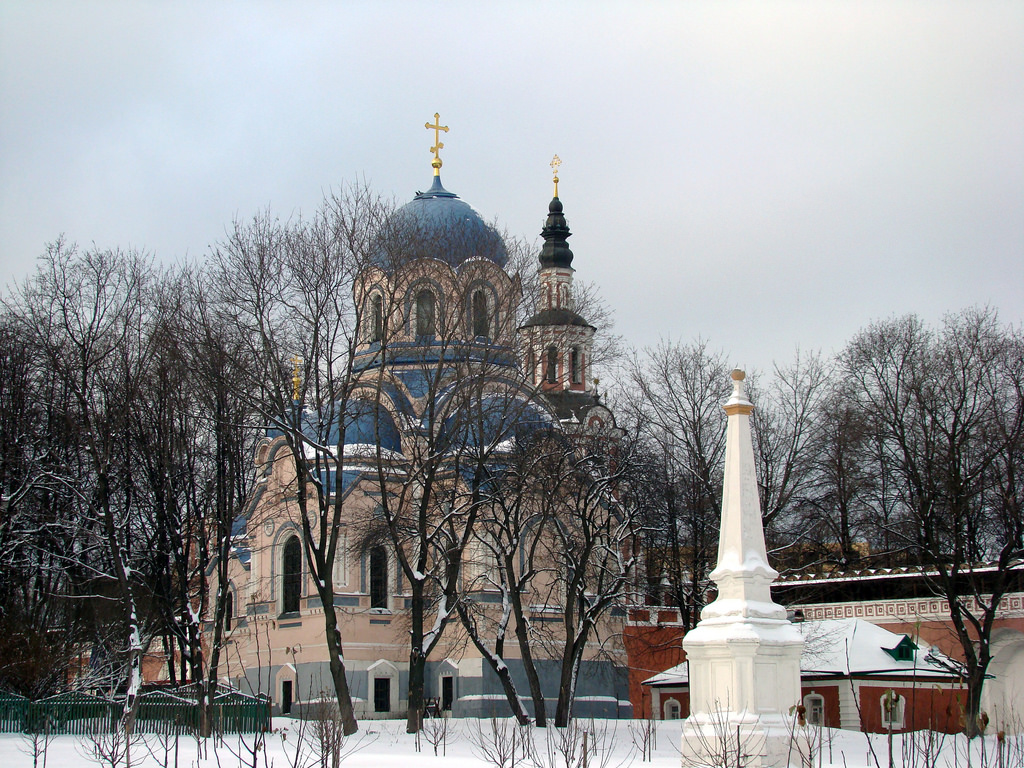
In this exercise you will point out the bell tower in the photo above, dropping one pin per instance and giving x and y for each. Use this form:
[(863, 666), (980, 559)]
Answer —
[(558, 342)]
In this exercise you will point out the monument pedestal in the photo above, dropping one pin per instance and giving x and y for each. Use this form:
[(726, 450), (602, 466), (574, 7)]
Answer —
[(744, 655), (744, 679)]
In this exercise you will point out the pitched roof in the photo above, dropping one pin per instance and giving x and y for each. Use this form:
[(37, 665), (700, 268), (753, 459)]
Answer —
[(841, 647)]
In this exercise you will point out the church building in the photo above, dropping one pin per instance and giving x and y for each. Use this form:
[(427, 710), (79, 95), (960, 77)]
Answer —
[(444, 311)]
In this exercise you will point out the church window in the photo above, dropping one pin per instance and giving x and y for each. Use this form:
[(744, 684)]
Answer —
[(291, 575), (229, 610), (576, 364), (551, 374), (426, 324), (378, 578), (376, 318), (480, 320)]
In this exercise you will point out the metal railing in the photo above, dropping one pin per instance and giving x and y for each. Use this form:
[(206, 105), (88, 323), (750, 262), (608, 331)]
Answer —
[(158, 712)]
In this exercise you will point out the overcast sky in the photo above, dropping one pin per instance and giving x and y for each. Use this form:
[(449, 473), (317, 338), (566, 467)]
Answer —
[(763, 175)]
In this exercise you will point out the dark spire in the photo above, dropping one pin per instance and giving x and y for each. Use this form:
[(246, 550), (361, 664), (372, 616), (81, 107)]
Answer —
[(555, 252)]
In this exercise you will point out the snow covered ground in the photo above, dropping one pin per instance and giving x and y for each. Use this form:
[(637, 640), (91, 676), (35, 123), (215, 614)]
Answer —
[(384, 744)]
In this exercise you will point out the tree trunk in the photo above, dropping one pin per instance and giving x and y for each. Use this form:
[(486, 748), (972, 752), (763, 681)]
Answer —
[(523, 636), (417, 670), (972, 714), (334, 649), (571, 657), (497, 663), (563, 709)]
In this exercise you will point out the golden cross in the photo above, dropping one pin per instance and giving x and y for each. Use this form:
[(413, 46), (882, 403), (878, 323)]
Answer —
[(438, 145), (556, 162), (296, 378)]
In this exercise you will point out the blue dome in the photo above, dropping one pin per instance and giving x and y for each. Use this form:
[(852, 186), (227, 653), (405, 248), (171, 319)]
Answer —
[(495, 419), (439, 225), (365, 423)]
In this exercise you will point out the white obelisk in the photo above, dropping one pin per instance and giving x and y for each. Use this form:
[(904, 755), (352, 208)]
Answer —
[(744, 655)]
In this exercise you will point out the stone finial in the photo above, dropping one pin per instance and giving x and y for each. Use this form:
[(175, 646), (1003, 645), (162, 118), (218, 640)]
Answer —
[(738, 402)]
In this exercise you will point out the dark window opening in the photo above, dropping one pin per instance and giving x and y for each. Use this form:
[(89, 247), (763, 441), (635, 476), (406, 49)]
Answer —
[(382, 694), (291, 576), (425, 315), (551, 374), (378, 578), (481, 324), (447, 693), (376, 318), (286, 697), (228, 611), (576, 364)]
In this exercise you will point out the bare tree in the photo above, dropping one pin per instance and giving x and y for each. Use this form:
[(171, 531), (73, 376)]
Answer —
[(508, 543), (39, 627), (783, 433), (676, 412), (947, 410), (835, 510), (590, 548), (89, 314), (456, 343), (290, 289)]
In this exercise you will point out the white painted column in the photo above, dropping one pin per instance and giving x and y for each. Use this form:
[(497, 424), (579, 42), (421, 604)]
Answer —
[(744, 655)]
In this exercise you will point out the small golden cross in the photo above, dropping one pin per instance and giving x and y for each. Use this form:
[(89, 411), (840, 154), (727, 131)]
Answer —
[(296, 378), (438, 144), (556, 161)]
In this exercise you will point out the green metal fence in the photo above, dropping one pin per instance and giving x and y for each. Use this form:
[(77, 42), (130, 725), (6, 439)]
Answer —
[(166, 713), (73, 713), (235, 712), (159, 712), (13, 709)]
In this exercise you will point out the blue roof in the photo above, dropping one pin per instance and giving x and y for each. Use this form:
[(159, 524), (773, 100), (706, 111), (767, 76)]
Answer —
[(441, 226), (348, 478), (499, 417), (369, 423), (365, 422)]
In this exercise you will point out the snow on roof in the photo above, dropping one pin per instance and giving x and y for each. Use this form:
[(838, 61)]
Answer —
[(849, 647), (855, 646)]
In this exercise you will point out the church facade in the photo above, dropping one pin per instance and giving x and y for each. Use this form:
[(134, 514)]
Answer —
[(444, 357)]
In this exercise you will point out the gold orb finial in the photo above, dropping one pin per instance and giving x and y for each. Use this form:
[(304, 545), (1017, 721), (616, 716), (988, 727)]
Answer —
[(738, 375), (296, 378), (438, 144), (556, 161)]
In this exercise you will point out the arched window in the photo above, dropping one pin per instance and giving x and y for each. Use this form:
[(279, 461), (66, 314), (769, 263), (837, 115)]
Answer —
[(229, 610), (426, 324), (378, 578), (576, 365), (551, 372), (672, 710), (481, 324), (291, 575), (815, 707), (376, 318)]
